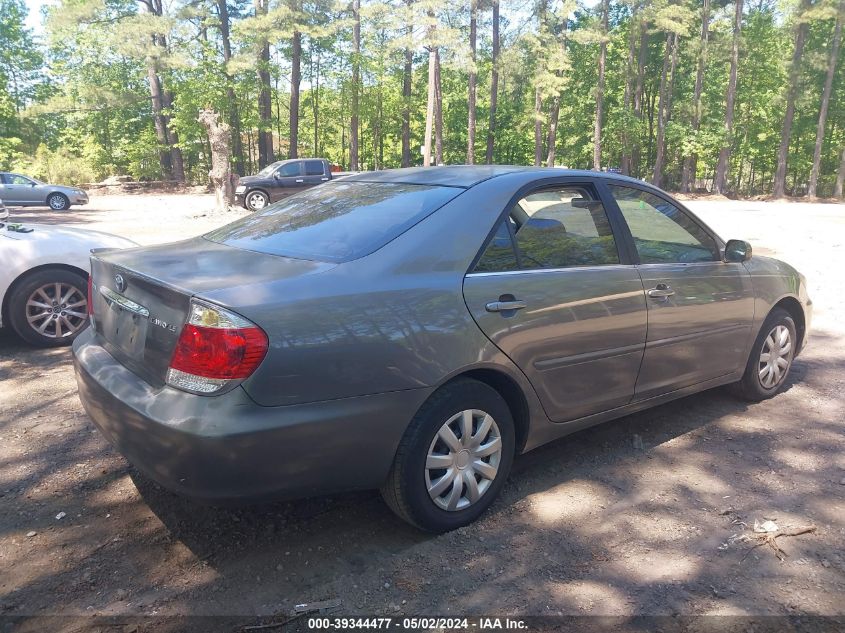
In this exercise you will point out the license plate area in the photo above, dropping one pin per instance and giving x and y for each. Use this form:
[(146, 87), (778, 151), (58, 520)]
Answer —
[(124, 324)]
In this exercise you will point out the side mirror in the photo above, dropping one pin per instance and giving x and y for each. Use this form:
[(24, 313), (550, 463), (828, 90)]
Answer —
[(737, 251)]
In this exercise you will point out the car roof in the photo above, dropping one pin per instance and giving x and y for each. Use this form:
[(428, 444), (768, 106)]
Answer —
[(466, 176)]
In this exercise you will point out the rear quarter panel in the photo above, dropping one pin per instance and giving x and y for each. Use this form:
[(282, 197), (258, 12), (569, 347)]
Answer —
[(391, 321)]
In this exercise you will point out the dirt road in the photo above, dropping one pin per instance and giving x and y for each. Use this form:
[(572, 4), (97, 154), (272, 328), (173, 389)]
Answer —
[(592, 524)]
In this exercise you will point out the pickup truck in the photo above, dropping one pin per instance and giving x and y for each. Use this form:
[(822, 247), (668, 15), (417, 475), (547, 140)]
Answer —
[(282, 179)]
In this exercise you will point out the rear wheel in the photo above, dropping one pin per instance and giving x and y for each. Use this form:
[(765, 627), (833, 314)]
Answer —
[(49, 307), (256, 200), (454, 458), (58, 201), (771, 358)]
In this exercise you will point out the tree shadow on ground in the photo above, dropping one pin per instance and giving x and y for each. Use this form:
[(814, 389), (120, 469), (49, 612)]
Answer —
[(590, 524)]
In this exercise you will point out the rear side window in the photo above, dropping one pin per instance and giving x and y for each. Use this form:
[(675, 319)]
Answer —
[(335, 222), (314, 168)]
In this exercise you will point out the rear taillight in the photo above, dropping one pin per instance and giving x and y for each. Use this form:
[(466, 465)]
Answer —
[(91, 299), (215, 348)]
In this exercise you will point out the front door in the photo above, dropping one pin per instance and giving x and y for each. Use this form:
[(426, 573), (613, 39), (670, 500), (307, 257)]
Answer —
[(552, 292), (700, 309), (289, 180)]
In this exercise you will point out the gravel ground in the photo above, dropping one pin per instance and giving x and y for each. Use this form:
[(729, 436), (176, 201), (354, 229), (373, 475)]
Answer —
[(589, 525)]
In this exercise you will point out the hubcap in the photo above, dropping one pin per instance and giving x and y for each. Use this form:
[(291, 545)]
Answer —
[(57, 310), (57, 202), (256, 201), (463, 459), (775, 357)]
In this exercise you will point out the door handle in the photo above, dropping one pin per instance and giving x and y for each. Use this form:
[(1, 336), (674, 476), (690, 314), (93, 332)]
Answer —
[(661, 291), (299, 180), (323, 178), (504, 306)]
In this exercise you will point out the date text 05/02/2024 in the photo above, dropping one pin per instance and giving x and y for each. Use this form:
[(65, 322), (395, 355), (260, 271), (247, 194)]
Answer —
[(417, 623)]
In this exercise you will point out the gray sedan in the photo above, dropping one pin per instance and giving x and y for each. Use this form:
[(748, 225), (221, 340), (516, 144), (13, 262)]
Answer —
[(412, 330), (22, 191)]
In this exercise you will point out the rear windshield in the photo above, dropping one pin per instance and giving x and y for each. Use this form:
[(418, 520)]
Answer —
[(335, 222)]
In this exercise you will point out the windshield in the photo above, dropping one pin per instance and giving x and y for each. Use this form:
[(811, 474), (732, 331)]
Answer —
[(335, 222), (269, 169)]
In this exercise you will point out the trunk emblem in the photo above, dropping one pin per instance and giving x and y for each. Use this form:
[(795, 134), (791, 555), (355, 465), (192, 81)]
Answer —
[(119, 283)]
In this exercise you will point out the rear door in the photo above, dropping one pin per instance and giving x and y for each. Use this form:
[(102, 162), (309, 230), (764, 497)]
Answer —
[(555, 293), (700, 309), (289, 179), (315, 172), (19, 189)]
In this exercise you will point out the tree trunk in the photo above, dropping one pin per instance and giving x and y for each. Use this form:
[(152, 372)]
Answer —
[(222, 178), (315, 80), (356, 86), (170, 156), (173, 143), (231, 97), (792, 94), (691, 161), (840, 178), (554, 116), (828, 84), (295, 81), (438, 110), (597, 124), (626, 99), (662, 114), (538, 127), (160, 121), (473, 76), (638, 94), (429, 110), (407, 76), (494, 86), (265, 105), (720, 184)]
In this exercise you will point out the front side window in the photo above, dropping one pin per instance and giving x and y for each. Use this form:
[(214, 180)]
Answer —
[(289, 169), (15, 179), (335, 222), (662, 232), (314, 168)]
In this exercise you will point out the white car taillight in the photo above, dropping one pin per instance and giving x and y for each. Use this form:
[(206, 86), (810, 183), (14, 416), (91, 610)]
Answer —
[(215, 348)]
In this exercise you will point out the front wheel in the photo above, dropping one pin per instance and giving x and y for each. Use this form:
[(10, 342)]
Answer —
[(58, 202), (454, 458), (771, 358), (49, 308), (256, 200)]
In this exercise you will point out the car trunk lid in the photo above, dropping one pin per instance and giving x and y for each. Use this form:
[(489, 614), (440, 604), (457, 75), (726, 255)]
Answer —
[(141, 297)]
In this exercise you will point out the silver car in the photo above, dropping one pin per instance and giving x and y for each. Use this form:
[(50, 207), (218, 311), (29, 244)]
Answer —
[(17, 190), (412, 330)]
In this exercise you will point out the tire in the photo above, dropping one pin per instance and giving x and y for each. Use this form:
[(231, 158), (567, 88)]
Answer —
[(256, 200), (35, 318), (758, 383), (406, 490), (58, 202)]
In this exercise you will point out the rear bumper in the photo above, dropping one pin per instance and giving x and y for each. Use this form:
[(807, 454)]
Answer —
[(227, 447)]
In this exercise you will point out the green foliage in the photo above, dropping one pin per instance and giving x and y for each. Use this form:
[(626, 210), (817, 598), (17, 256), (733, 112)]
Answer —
[(80, 100), (59, 166)]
